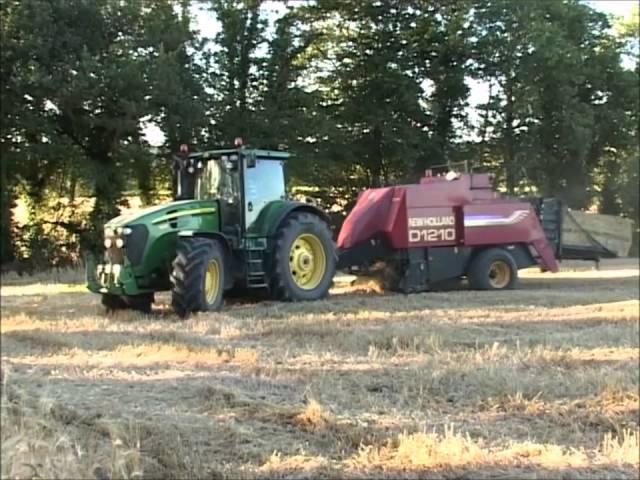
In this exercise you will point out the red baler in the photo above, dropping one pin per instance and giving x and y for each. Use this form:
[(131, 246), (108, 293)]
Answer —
[(443, 228)]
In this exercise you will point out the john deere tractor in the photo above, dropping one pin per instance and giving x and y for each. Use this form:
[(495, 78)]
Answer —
[(231, 226)]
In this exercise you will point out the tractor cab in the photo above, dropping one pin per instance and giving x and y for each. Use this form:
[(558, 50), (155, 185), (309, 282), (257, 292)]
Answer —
[(242, 180)]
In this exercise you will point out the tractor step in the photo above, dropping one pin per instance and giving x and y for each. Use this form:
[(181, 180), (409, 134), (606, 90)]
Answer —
[(254, 261), (256, 282)]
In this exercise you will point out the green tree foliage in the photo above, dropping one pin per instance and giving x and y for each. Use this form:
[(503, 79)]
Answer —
[(360, 63), (560, 97), (9, 128), (235, 79), (440, 38), (364, 93), (81, 77), (177, 75), (286, 108)]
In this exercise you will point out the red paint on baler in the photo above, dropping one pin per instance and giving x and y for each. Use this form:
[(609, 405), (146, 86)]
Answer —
[(482, 217), (368, 217)]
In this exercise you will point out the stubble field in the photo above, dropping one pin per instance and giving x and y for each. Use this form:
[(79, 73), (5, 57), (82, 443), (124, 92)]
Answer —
[(540, 382)]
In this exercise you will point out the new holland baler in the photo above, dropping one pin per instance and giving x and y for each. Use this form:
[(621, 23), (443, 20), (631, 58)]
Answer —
[(445, 228)]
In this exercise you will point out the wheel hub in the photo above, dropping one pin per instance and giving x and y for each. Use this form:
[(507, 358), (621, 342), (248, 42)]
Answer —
[(307, 261), (499, 274), (211, 281)]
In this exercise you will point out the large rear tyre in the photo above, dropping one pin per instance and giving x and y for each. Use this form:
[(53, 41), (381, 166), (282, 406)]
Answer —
[(493, 269), (198, 276), (140, 303), (303, 259)]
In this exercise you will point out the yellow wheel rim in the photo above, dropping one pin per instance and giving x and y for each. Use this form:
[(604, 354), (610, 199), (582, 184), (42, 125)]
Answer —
[(499, 274), (211, 280), (307, 261)]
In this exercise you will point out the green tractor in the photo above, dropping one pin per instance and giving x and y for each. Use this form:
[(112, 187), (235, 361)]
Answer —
[(231, 226)]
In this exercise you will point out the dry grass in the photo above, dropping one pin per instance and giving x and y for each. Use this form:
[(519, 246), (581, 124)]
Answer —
[(541, 382), (43, 439)]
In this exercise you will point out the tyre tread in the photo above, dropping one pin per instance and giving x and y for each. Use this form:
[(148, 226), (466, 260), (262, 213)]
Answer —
[(278, 284), (478, 270), (192, 255)]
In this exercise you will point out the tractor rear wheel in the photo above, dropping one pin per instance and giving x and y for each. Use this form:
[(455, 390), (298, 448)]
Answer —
[(493, 269), (197, 276), (303, 259)]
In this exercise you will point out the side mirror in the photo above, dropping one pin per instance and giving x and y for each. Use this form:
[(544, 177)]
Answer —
[(251, 160)]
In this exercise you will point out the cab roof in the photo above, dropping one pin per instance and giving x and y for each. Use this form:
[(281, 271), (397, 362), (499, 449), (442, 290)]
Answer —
[(265, 154)]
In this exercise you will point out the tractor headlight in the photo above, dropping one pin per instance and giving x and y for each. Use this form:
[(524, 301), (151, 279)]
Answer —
[(119, 242), (108, 232), (116, 269), (107, 243), (126, 231)]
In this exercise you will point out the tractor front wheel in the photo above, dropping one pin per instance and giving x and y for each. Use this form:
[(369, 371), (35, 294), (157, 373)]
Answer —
[(197, 276), (113, 302), (303, 259), (140, 303), (493, 269)]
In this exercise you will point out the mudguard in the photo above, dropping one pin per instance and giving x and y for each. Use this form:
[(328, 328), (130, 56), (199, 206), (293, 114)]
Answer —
[(274, 213)]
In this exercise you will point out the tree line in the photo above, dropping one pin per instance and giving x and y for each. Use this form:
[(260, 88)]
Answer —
[(364, 93)]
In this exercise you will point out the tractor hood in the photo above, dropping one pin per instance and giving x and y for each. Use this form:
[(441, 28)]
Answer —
[(167, 211)]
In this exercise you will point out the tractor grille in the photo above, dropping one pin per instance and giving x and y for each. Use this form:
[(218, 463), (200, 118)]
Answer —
[(135, 243), (114, 255)]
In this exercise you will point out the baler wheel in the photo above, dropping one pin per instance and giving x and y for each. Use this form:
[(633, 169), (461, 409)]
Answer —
[(493, 269), (197, 276), (303, 259)]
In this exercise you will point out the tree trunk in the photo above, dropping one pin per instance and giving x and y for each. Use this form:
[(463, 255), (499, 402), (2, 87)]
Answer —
[(73, 183), (145, 184), (107, 191), (509, 159), (376, 157), (485, 120), (576, 193), (608, 203), (608, 197), (443, 130), (7, 248)]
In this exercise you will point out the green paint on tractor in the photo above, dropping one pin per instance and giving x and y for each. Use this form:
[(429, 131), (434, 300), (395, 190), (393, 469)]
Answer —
[(149, 239), (232, 225)]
